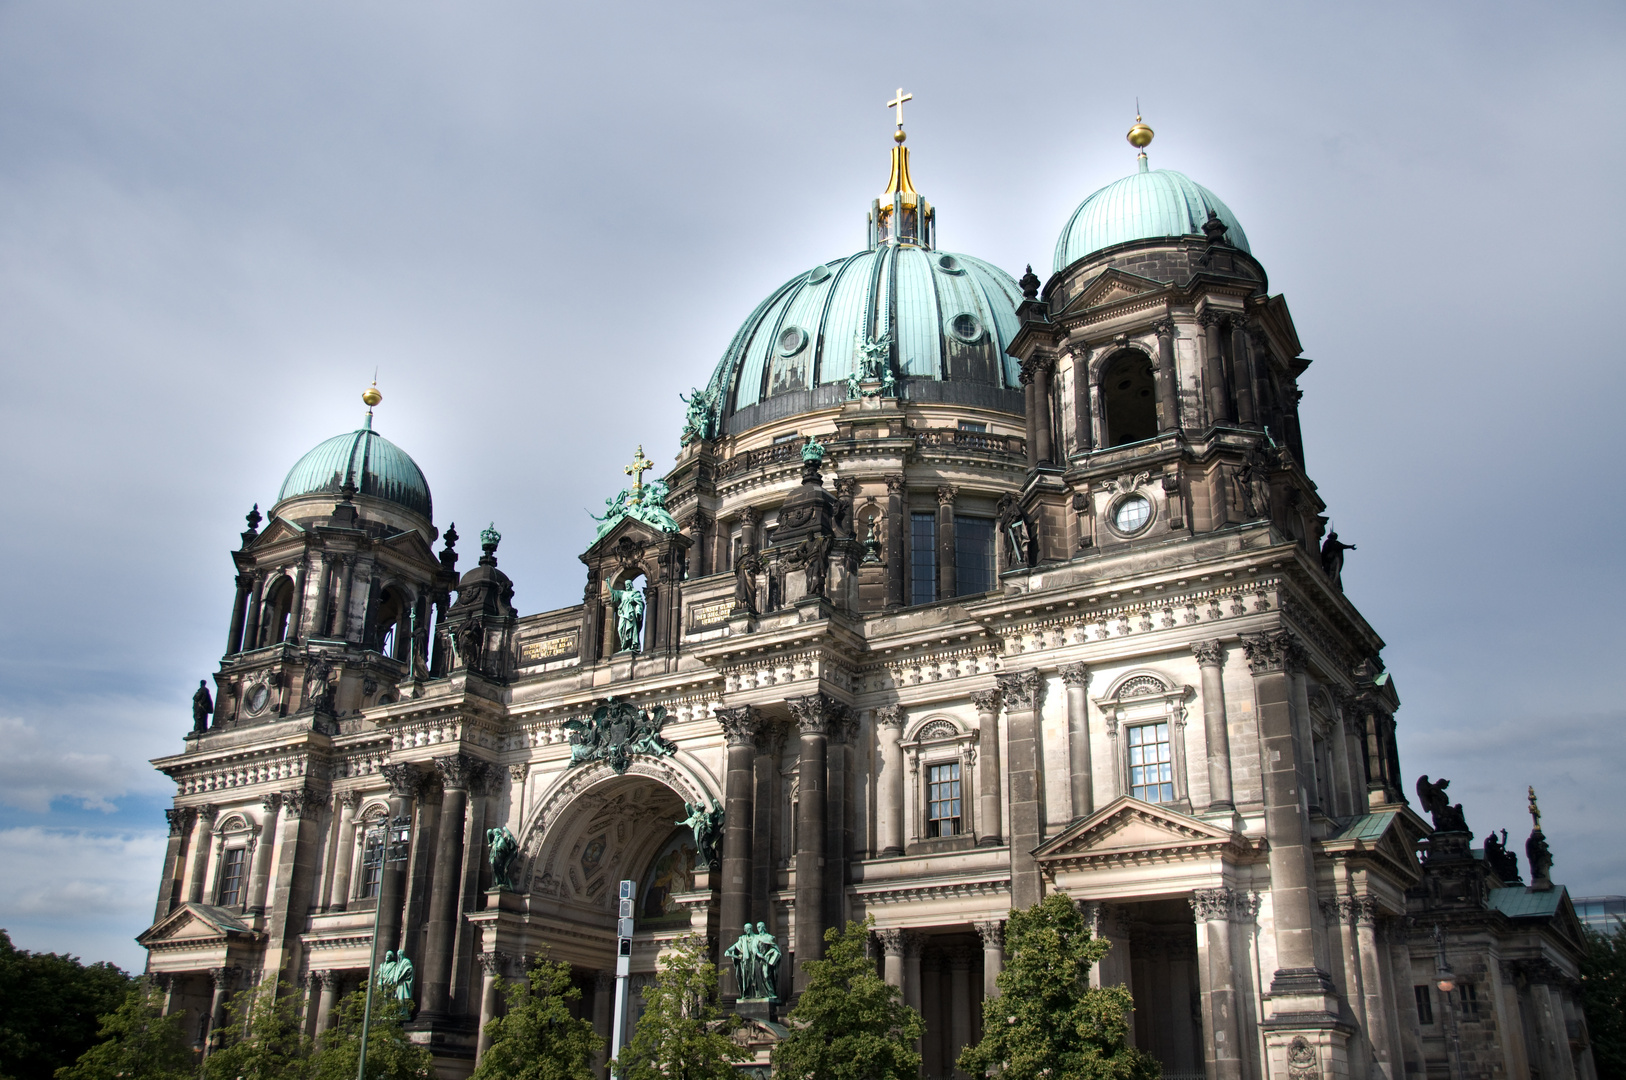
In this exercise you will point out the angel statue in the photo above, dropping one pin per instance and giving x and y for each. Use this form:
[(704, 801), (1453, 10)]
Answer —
[(629, 617), (504, 851), (706, 826)]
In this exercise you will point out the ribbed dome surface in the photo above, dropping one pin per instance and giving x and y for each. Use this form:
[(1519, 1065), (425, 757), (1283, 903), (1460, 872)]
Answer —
[(1142, 206), (949, 317), (376, 466)]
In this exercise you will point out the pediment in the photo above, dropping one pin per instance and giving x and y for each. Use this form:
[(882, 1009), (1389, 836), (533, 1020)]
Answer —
[(411, 540), (1111, 286), (1387, 837), (628, 539), (278, 531), (194, 923), (1129, 829)]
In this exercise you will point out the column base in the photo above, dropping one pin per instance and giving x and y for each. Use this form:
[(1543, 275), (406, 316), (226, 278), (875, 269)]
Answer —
[(891, 852), (990, 841)]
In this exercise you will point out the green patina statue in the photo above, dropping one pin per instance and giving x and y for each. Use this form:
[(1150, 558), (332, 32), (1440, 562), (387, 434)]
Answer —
[(394, 975), (813, 452), (647, 505), (756, 958), (629, 617), (504, 853)]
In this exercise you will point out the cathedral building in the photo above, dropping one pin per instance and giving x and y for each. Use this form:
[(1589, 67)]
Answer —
[(963, 589)]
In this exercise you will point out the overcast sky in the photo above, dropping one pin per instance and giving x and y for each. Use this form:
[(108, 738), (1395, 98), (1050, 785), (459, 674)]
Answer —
[(540, 226)]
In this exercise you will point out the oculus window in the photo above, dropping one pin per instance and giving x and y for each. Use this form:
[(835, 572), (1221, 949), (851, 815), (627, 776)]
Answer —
[(1131, 515), (943, 800), (1151, 766)]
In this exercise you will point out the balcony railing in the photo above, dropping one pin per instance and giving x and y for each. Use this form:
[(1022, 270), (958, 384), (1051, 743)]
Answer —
[(973, 441)]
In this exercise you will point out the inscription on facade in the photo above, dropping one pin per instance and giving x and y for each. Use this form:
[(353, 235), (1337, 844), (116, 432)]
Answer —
[(548, 648), (710, 614)]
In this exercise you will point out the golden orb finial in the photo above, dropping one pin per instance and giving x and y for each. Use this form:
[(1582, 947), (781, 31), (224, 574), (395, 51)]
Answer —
[(898, 136), (1140, 136), (371, 395)]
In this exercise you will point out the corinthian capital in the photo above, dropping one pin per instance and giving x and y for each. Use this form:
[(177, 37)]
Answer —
[(403, 779), (1273, 652), (889, 716), (1022, 689), (1075, 674), (455, 770), (986, 701), (739, 724), (816, 712), (1209, 653)]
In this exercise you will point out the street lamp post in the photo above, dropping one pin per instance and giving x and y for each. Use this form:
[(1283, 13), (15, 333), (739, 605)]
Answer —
[(1446, 980), (393, 837)]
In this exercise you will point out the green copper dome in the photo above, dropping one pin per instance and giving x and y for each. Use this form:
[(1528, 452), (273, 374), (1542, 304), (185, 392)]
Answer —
[(1147, 205), (940, 321), (365, 459)]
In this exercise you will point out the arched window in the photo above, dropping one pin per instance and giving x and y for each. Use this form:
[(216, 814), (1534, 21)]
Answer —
[(1128, 399), (390, 625), (277, 610)]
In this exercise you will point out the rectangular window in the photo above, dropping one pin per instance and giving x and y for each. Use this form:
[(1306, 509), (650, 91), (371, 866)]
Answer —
[(973, 555), (372, 864), (943, 800), (1151, 768), (791, 437), (1425, 1004), (1469, 1000), (231, 876), (922, 558), (972, 425)]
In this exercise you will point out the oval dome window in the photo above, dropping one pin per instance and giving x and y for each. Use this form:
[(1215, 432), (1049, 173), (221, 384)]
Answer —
[(792, 339), (949, 264), (818, 274), (966, 327)]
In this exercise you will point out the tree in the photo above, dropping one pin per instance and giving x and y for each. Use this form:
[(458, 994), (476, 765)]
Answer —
[(138, 1043), (1603, 996), (263, 1038), (51, 1007), (849, 1024), (680, 1036), (390, 1054), (539, 1039), (1048, 1022)]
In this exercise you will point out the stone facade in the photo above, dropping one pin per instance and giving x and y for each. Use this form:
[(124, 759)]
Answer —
[(1156, 699)]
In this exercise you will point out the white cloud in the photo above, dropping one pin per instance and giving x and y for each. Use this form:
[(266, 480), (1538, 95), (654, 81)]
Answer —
[(94, 750), (80, 892)]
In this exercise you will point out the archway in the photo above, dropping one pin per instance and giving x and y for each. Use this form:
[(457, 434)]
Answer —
[(1128, 399)]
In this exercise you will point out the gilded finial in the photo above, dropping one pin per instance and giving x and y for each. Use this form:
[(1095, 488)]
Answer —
[(1140, 135), (897, 103), (636, 470), (1535, 811), (371, 395)]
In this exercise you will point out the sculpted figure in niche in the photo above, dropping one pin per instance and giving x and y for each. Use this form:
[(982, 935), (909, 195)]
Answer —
[(202, 706), (504, 852), (816, 550), (629, 617), (745, 584), (470, 638), (706, 825)]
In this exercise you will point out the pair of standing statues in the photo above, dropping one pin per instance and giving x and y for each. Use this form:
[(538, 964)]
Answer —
[(756, 959)]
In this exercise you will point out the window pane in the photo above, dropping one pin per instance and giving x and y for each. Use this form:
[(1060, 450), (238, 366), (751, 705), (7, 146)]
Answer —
[(1151, 763), (922, 558), (943, 800), (372, 866), (973, 555), (231, 877)]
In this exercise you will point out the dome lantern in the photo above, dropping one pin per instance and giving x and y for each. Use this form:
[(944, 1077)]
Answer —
[(900, 215)]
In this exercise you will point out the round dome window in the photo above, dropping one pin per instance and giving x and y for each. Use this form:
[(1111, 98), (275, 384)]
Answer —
[(949, 264), (817, 274), (966, 327), (1131, 514), (792, 339)]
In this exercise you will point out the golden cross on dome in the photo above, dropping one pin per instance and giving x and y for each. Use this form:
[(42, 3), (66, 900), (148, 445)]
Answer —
[(897, 103), (636, 470)]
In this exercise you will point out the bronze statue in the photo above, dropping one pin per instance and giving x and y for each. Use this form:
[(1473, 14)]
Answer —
[(816, 550), (1332, 558), (202, 706), (471, 637), (1504, 863), (1447, 818), (504, 852), (756, 958), (706, 825), (395, 976), (629, 617), (745, 584)]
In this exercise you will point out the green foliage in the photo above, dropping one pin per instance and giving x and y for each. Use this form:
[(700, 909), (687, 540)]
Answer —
[(681, 1035), (849, 1024), (1048, 1022), (390, 1054), (262, 1038), (539, 1039), (50, 1009), (137, 1044), (1603, 996)]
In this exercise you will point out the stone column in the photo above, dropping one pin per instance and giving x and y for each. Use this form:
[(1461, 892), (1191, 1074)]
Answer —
[(1168, 382), (345, 569), (197, 863), (1221, 1011), (990, 827), (770, 743), (1081, 781), (1081, 400), (324, 588), (1364, 911), (234, 634), (296, 610), (603, 1005), (1042, 368), (251, 625), (889, 789), (169, 886), (993, 956), (1211, 662), (455, 771), (837, 793), (1300, 984), (1030, 408), (222, 977), (813, 716), (264, 841), (491, 965), (912, 943), (931, 1007), (339, 894), (946, 586), (1219, 398), (1242, 366), (1023, 695), (892, 952), (897, 535), (959, 965), (739, 731), (403, 781), (327, 983)]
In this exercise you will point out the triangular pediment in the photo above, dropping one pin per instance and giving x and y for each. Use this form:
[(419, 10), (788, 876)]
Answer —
[(1387, 837), (1130, 828), (411, 540), (630, 535), (194, 922), (276, 532), (1111, 286)]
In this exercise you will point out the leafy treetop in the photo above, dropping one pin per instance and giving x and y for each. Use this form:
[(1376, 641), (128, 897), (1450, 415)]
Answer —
[(681, 1034), (539, 1039)]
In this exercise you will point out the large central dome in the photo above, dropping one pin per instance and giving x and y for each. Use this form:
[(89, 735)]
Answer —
[(939, 322)]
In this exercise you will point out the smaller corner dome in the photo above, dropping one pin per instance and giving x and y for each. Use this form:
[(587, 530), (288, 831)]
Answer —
[(1147, 205), (364, 458)]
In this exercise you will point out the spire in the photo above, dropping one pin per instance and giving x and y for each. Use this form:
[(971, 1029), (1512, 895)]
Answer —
[(900, 215), (1140, 137), (371, 397)]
